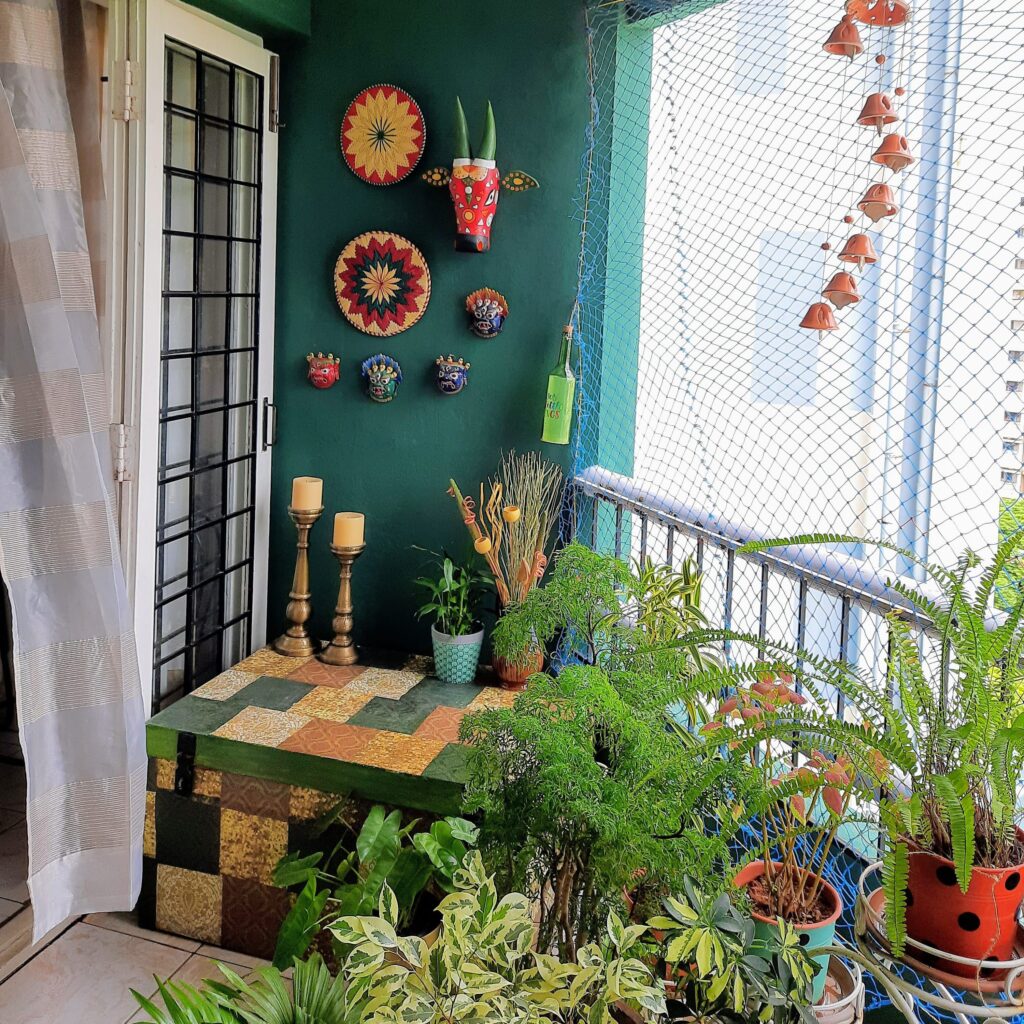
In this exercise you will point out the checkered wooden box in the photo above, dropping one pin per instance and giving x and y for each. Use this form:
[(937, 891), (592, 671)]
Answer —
[(241, 768)]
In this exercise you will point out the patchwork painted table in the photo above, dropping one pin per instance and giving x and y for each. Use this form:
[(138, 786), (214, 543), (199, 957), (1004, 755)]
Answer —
[(241, 768)]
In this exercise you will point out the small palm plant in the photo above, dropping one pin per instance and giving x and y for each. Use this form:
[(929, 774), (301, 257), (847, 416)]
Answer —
[(957, 717)]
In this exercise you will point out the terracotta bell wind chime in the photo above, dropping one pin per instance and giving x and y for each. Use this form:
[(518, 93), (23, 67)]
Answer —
[(893, 153)]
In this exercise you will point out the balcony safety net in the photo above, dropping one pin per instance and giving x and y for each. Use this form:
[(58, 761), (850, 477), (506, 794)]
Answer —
[(725, 185)]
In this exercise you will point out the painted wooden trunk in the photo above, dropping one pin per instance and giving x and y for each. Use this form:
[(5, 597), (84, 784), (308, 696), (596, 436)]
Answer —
[(241, 769)]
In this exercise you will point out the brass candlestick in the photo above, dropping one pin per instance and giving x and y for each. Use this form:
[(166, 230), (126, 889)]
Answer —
[(341, 650), (295, 641)]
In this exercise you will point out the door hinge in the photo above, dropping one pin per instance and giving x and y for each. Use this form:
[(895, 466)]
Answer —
[(274, 97), (121, 473), (269, 423), (125, 90)]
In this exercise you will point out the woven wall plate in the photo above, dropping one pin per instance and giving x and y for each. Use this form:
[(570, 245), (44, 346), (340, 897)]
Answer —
[(382, 283), (383, 135)]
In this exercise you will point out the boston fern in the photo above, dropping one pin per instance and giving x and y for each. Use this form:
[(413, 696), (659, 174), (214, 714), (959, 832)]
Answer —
[(958, 715)]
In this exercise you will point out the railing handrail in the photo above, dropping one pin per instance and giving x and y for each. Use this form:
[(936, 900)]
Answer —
[(840, 575)]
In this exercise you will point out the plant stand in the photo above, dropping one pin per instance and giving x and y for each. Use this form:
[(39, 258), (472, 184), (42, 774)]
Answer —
[(911, 982)]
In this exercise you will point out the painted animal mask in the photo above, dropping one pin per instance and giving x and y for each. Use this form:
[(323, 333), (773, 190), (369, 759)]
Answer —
[(323, 370)]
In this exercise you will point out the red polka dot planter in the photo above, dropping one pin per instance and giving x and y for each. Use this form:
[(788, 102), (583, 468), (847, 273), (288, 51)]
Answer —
[(980, 924)]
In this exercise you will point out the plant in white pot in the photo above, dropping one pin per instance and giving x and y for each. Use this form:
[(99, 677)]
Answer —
[(456, 632)]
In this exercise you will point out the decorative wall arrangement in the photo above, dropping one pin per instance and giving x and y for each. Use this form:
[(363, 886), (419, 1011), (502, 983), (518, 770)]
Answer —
[(474, 183), (487, 311), (382, 283), (323, 370), (383, 135), (893, 153), (382, 375)]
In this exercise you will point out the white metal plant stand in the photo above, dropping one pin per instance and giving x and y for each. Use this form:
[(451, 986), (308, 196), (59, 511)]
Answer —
[(996, 994)]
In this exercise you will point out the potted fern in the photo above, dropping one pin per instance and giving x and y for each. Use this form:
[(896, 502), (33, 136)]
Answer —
[(954, 860)]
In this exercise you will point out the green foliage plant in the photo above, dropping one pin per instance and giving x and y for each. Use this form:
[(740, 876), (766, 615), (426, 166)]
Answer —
[(957, 718), (349, 882), (576, 782), (721, 975), (481, 969), (314, 996), (453, 597)]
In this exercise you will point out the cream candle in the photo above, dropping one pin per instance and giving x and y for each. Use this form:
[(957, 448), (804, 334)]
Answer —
[(307, 493), (348, 529)]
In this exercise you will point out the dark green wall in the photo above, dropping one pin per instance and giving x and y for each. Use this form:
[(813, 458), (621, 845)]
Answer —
[(273, 19), (393, 461)]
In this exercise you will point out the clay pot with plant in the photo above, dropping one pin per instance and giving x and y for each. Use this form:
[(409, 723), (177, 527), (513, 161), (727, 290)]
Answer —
[(954, 861), (797, 813)]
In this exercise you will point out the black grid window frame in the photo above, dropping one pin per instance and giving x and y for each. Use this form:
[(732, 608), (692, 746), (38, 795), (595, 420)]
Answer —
[(195, 635)]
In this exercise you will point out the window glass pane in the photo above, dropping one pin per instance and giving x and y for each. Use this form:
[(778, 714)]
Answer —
[(180, 141), (179, 264), (216, 88), (180, 214), (216, 149), (244, 205), (246, 98), (246, 148), (215, 208), (213, 311), (177, 323)]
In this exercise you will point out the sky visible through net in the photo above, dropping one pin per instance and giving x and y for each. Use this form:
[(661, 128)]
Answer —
[(724, 150)]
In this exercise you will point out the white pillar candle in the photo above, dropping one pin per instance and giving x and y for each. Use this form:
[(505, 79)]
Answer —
[(307, 493), (348, 529)]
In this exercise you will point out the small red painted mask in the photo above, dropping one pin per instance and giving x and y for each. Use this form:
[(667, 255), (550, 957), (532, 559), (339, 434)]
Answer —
[(323, 370)]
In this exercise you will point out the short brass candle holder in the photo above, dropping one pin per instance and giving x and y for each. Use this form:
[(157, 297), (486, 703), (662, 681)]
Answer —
[(341, 650), (295, 641)]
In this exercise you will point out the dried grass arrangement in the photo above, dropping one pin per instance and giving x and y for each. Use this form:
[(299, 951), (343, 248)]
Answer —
[(513, 524)]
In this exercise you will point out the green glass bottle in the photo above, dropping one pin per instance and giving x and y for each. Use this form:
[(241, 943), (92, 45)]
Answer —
[(561, 392)]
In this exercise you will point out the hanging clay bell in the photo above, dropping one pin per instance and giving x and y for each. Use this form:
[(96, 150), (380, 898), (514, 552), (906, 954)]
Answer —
[(877, 112), (878, 202), (859, 250), (894, 152), (845, 40), (819, 318), (841, 291), (886, 13)]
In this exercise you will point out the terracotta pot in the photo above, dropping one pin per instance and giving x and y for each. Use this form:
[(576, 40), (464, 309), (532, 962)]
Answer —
[(980, 924), (812, 936), (513, 675)]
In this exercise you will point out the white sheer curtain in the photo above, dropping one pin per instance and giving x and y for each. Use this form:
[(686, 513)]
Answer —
[(80, 709)]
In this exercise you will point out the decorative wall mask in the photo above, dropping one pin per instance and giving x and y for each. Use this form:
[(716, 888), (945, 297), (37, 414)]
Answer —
[(474, 183), (452, 374), (382, 375), (487, 311), (383, 135), (382, 283), (323, 369)]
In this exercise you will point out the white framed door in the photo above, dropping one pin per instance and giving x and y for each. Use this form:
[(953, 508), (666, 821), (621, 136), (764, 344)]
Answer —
[(203, 367)]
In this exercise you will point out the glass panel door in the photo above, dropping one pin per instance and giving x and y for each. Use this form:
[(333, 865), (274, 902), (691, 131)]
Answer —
[(213, 114)]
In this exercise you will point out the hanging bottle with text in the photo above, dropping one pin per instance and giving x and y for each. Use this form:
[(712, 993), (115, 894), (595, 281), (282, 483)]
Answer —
[(561, 392)]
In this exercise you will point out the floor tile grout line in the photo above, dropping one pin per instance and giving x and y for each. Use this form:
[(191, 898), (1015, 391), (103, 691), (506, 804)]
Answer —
[(156, 939), (4, 978)]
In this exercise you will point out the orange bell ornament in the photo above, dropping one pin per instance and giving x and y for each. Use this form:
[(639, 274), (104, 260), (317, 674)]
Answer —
[(894, 152), (859, 250), (844, 40), (819, 318), (841, 291), (879, 12), (878, 203), (877, 112)]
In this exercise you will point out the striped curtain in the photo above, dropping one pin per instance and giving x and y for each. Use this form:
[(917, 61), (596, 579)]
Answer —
[(80, 709)]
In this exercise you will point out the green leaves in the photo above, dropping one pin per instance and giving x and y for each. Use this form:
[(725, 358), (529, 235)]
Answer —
[(454, 598), (956, 805), (895, 879), (300, 925)]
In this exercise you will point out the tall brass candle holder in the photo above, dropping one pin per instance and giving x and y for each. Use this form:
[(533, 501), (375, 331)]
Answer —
[(341, 650), (295, 641)]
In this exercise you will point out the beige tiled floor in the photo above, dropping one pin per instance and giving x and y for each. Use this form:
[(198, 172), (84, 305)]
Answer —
[(85, 975)]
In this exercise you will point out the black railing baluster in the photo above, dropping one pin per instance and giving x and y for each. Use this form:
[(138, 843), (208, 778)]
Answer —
[(730, 575), (643, 540), (595, 516), (670, 543), (762, 613), (700, 554), (618, 531), (846, 606)]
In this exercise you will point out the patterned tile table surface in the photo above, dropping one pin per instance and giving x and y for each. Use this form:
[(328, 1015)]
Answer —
[(276, 741)]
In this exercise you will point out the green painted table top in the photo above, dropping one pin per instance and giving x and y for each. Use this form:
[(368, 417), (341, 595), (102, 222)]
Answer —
[(385, 731)]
